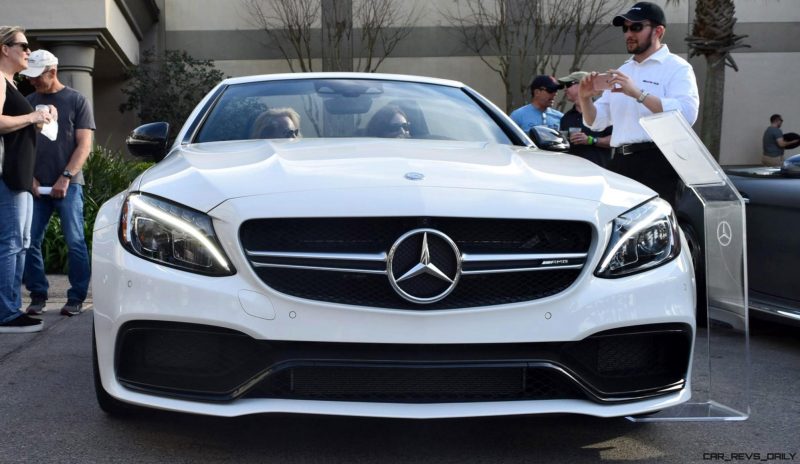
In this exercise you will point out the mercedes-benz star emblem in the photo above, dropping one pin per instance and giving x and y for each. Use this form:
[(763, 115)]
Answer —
[(424, 266), (724, 233)]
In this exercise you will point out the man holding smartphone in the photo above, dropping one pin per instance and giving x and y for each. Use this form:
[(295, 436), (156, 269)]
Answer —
[(653, 80)]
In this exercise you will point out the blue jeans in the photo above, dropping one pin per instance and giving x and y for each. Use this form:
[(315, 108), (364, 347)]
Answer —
[(15, 228), (70, 210)]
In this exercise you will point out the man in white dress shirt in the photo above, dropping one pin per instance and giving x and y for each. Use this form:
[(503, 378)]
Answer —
[(651, 81)]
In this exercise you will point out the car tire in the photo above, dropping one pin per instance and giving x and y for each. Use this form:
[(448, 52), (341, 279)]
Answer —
[(107, 403), (699, 262)]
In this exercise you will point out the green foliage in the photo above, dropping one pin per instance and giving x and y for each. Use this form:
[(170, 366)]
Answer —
[(168, 87), (106, 173)]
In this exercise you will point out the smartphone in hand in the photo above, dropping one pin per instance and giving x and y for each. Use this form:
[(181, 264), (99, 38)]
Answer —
[(602, 82)]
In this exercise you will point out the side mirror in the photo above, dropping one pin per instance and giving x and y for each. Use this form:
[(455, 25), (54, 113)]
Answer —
[(791, 166), (149, 141), (548, 139)]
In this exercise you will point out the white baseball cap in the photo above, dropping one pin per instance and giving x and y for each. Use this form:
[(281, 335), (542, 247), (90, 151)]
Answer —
[(37, 61)]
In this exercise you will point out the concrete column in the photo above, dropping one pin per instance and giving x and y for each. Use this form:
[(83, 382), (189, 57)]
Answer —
[(75, 66)]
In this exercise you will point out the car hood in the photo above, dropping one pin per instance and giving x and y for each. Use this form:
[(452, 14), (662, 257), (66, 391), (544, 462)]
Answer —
[(204, 175)]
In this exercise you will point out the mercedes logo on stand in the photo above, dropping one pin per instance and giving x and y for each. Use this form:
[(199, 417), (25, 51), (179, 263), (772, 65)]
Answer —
[(724, 233), (424, 266)]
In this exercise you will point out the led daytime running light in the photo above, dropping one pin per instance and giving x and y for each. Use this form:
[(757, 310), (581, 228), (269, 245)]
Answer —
[(181, 225)]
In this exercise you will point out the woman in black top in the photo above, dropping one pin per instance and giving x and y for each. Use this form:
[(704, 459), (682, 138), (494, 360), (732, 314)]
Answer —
[(18, 125)]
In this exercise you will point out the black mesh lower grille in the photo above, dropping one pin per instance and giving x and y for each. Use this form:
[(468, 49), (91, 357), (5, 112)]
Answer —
[(404, 384), (213, 364), (374, 290)]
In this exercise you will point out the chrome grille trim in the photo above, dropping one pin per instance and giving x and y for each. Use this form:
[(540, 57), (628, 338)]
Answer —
[(319, 268), (349, 260), (470, 258), (522, 269), (306, 255)]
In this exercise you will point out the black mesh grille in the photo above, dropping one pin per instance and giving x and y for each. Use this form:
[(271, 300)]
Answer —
[(404, 384), (375, 290), (376, 235)]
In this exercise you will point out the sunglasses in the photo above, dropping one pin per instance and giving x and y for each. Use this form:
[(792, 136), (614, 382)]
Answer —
[(397, 127), (548, 90), (23, 45), (290, 133), (635, 27), (569, 84)]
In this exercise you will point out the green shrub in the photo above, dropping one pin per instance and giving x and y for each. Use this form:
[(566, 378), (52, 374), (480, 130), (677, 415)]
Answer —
[(105, 173), (167, 86)]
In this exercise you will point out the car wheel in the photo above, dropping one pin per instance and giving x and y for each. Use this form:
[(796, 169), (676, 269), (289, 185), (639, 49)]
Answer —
[(698, 260), (108, 403)]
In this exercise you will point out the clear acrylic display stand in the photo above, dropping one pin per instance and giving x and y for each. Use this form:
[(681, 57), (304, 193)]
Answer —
[(721, 358)]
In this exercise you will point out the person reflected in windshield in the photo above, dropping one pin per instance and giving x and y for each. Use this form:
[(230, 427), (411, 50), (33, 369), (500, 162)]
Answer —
[(277, 123), (389, 122)]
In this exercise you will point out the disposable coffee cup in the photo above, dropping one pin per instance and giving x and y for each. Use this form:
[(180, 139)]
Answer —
[(49, 130)]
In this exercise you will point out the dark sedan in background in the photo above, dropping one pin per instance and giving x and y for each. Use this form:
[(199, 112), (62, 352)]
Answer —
[(773, 237)]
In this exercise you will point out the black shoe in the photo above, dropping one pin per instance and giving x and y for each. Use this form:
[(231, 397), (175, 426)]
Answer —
[(22, 324), (37, 307), (72, 308)]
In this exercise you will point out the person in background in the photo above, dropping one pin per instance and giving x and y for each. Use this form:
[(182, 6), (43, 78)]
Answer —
[(389, 122), (584, 142), (277, 123), (18, 125), (775, 141), (540, 111), (58, 165), (653, 80)]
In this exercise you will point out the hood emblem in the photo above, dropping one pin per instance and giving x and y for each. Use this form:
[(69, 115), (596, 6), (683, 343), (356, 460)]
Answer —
[(414, 176), (424, 266)]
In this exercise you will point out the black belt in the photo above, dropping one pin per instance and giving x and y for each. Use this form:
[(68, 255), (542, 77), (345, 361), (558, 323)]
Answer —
[(632, 148)]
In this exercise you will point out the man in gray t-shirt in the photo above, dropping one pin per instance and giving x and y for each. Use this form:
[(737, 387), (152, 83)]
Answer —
[(58, 166), (773, 142)]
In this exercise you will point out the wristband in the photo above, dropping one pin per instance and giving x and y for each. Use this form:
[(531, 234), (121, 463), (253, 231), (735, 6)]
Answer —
[(642, 97), (590, 140)]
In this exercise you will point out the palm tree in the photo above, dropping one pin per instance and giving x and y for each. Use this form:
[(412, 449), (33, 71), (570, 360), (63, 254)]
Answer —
[(713, 37)]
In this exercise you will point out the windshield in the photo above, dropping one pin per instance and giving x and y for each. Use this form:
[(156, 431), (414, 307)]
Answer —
[(322, 108)]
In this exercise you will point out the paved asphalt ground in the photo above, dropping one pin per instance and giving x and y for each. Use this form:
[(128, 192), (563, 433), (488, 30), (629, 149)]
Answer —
[(48, 414)]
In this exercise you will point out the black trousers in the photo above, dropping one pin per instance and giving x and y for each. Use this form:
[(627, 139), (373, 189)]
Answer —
[(650, 168)]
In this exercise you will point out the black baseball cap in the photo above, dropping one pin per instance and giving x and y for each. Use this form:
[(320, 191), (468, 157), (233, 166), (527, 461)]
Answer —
[(548, 82), (642, 11)]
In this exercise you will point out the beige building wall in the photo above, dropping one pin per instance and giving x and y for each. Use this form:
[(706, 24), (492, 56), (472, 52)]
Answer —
[(206, 15), (765, 85), (767, 10)]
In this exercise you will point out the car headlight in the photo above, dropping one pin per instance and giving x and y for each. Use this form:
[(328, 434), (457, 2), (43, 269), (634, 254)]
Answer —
[(173, 235), (642, 238)]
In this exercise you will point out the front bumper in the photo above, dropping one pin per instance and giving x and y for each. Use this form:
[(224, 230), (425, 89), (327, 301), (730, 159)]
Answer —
[(205, 363), (501, 352)]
